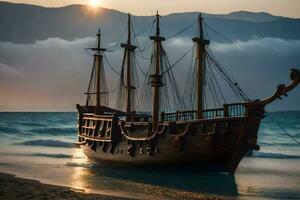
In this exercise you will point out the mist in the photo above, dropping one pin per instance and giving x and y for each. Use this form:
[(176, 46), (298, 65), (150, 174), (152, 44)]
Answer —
[(53, 74)]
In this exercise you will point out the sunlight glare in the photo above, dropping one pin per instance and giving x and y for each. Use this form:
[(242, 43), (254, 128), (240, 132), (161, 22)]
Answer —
[(94, 3)]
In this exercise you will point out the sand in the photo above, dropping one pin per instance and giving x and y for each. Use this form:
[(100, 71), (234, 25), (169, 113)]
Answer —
[(12, 187)]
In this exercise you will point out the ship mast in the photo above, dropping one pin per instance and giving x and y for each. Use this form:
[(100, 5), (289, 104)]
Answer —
[(156, 78), (98, 70), (129, 48), (200, 57)]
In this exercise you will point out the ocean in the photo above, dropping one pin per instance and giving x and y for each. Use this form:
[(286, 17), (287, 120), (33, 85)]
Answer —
[(41, 146)]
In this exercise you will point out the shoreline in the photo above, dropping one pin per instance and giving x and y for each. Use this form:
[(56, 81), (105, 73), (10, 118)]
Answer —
[(13, 187)]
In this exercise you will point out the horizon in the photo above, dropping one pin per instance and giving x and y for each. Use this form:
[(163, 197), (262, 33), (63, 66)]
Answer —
[(75, 111), (293, 10)]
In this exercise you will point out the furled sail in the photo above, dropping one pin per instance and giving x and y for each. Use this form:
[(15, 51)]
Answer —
[(97, 93), (126, 97), (168, 95)]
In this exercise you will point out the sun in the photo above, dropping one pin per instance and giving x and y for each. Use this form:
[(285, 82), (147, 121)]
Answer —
[(94, 3)]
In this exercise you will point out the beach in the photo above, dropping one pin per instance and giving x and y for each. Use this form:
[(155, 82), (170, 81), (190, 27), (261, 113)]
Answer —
[(19, 188)]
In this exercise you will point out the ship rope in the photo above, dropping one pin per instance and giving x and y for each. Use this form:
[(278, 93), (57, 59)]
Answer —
[(233, 84), (170, 95), (121, 100), (215, 76), (284, 131), (88, 99), (190, 87), (175, 90), (227, 77), (88, 52), (218, 33), (143, 57), (134, 85), (147, 44), (181, 31), (211, 87), (117, 44), (110, 65), (215, 81), (177, 61), (150, 25), (144, 99), (140, 68), (91, 94)]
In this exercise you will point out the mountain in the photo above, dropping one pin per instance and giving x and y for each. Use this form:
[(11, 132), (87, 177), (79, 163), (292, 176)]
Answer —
[(21, 23), (252, 17)]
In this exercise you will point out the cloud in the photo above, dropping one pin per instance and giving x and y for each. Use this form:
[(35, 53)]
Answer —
[(6, 70), (261, 64), (268, 57), (259, 44), (47, 73), (54, 73)]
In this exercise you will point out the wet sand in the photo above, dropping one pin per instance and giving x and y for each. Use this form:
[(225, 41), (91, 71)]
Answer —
[(12, 187)]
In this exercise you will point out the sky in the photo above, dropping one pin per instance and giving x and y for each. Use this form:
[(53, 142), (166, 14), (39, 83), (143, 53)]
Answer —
[(289, 8)]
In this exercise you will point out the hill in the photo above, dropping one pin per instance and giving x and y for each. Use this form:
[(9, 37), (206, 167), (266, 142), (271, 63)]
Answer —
[(21, 23)]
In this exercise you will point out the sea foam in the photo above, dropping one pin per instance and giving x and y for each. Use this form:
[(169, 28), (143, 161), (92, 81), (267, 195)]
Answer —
[(49, 155), (273, 155), (47, 143), (74, 164), (54, 131)]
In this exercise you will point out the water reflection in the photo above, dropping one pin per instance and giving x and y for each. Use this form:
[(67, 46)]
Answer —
[(188, 182), (80, 173), (186, 179)]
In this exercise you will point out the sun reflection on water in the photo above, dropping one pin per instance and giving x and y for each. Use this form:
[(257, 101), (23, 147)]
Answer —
[(79, 156), (81, 172)]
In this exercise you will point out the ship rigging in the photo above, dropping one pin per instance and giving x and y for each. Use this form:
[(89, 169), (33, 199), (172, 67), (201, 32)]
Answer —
[(156, 123)]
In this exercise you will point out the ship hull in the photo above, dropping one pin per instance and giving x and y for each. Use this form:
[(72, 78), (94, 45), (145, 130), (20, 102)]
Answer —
[(224, 159), (217, 144)]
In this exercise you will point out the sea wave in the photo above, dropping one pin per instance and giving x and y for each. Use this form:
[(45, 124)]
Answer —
[(74, 164), (49, 155), (54, 131), (8, 130), (274, 144), (60, 155), (35, 124), (273, 155), (47, 143)]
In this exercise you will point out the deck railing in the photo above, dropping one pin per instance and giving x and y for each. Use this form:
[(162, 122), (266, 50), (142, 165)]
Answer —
[(229, 110), (137, 117), (213, 113), (179, 115), (235, 110)]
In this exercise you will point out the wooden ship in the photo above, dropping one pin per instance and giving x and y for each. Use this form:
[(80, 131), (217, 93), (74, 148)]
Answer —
[(162, 126)]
